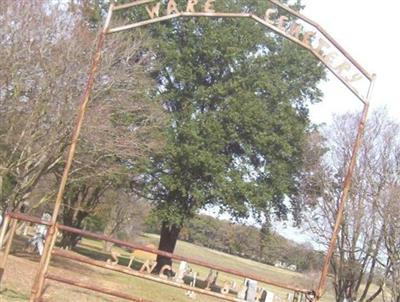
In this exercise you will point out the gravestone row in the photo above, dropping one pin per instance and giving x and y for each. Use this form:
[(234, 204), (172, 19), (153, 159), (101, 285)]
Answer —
[(249, 291)]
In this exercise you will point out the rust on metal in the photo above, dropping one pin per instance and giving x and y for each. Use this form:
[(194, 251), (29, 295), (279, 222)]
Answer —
[(28, 218), (283, 25), (291, 32), (346, 188), (121, 243), (180, 258), (45, 259), (80, 116), (141, 23), (106, 291)]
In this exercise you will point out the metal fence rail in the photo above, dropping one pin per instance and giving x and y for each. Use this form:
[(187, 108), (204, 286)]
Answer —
[(14, 217)]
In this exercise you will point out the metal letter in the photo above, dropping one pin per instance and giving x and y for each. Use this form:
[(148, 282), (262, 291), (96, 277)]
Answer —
[(268, 14), (163, 269), (355, 77), (208, 7), (172, 7), (321, 44), (154, 11), (282, 21), (345, 66), (330, 57), (295, 30), (307, 37), (146, 267), (190, 6)]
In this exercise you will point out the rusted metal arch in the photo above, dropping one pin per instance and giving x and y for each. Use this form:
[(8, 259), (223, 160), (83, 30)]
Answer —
[(39, 280), (266, 24)]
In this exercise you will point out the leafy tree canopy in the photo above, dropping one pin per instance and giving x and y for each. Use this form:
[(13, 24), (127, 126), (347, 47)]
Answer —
[(238, 98)]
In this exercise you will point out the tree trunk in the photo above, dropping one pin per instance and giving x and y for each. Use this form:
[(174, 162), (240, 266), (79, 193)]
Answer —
[(69, 240), (72, 219), (168, 238), (109, 231)]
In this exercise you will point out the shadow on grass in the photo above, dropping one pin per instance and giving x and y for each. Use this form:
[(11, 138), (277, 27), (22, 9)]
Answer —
[(94, 253)]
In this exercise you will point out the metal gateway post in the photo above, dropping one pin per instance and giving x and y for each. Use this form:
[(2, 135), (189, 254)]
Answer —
[(346, 188), (38, 285), (8, 246)]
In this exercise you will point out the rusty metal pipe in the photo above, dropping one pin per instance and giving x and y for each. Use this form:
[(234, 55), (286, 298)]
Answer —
[(85, 99), (141, 23), (346, 188), (138, 274), (8, 248), (38, 283), (65, 228), (180, 258), (80, 116), (33, 219)]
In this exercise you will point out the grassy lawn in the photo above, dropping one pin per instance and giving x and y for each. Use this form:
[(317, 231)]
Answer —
[(21, 268)]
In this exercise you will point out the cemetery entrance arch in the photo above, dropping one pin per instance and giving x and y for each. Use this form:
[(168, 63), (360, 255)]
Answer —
[(279, 18)]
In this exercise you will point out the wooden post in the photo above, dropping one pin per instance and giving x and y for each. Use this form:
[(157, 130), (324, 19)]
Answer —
[(7, 249)]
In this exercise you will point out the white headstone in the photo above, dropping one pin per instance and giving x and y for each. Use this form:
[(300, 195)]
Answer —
[(251, 292), (183, 267), (270, 297), (242, 292)]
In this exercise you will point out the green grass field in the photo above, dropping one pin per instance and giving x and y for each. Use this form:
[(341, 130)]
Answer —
[(21, 268)]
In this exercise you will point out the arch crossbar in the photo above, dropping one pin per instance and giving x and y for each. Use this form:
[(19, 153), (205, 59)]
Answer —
[(347, 71), (307, 34)]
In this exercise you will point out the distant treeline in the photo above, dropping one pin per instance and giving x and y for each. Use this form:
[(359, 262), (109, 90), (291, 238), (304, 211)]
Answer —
[(247, 241)]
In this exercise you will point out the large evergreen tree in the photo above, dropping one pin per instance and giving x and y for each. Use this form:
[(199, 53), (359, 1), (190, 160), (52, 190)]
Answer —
[(238, 99)]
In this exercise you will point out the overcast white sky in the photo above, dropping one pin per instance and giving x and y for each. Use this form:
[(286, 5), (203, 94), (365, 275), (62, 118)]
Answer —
[(368, 30)]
